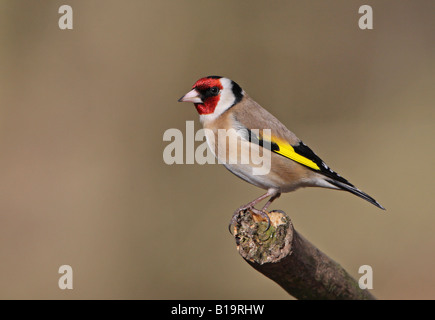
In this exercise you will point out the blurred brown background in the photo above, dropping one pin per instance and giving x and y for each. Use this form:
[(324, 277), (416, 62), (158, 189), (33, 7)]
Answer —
[(83, 112)]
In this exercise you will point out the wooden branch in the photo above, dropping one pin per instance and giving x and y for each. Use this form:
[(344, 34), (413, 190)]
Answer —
[(283, 255)]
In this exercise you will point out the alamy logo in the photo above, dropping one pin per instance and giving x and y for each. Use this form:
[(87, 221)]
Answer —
[(66, 20), (66, 280), (230, 147), (366, 280)]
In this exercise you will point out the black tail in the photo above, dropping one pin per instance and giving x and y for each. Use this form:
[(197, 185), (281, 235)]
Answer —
[(355, 191)]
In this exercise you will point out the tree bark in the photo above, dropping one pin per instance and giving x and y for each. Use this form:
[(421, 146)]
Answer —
[(283, 255)]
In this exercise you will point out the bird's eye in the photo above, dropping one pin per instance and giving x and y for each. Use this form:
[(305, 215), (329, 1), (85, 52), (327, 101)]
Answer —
[(214, 90)]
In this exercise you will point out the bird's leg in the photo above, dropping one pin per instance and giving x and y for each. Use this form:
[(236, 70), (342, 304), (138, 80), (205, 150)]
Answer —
[(272, 198), (250, 205), (272, 193)]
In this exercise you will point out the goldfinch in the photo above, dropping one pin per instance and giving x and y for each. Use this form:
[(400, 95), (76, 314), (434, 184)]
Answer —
[(223, 104)]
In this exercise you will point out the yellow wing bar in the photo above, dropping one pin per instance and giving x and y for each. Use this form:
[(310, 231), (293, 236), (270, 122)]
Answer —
[(286, 150)]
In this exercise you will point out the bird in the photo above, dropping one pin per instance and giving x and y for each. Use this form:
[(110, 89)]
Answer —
[(223, 105)]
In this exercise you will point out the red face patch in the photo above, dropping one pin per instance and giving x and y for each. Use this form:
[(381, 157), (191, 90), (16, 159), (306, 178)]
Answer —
[(210, 101)]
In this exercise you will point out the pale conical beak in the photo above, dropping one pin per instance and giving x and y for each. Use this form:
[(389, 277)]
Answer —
[(191, 96)]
